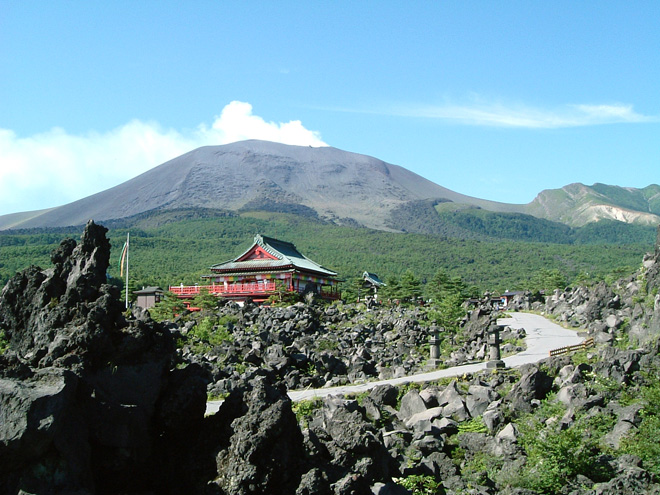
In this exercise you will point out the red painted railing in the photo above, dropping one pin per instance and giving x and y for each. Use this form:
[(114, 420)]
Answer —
[(330, 295), (251, 289), (221, 290)]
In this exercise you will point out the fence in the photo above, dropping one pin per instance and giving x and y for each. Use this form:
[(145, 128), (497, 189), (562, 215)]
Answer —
[(570, 348)]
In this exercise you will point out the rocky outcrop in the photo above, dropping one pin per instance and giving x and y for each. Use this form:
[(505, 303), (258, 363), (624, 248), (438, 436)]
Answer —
[(94, 399), (631, 304), (310, 345), (263, 453), (89, 399)]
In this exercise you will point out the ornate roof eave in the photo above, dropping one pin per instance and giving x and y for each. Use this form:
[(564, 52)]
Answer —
[(266, 243), (294, 258), (259, 241), (256, 269), (248, 272), (273, 270)]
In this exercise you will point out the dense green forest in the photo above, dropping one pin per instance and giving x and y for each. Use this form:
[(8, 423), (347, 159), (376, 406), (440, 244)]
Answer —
[(448, 219), (178, 246), (484, 224)]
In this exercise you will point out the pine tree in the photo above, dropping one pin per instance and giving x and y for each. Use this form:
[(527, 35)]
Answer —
[(168, 307), (408, 288)]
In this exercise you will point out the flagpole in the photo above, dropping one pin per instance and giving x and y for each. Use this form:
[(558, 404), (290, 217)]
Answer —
[(127, 254)]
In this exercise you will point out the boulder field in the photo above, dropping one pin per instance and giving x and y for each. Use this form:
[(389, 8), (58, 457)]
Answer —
[(95, 399)]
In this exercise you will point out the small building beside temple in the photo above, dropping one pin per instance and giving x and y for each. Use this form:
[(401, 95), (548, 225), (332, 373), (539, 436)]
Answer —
[(267, 267), (148, 297), (508, 296), (371, 283)]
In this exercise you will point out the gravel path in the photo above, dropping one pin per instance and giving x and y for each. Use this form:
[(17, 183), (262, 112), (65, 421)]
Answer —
[(542, 336)]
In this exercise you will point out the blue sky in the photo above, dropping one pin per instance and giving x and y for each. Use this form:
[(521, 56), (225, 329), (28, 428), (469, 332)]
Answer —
[(497, 100)]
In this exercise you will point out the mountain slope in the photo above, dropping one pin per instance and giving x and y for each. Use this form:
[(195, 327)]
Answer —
[(339, 186)]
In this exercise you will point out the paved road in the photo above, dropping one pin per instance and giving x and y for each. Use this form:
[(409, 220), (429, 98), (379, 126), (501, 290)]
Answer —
[(542, 336)]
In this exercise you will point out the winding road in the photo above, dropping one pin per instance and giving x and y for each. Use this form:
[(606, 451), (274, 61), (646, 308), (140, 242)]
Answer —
[(543, 335)]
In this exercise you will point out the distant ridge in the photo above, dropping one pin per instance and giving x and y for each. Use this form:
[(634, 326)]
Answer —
[(329, 184), (578, 205)]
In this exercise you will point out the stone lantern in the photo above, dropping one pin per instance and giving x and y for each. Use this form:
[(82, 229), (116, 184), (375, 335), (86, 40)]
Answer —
[(494, 347), (434, 345)]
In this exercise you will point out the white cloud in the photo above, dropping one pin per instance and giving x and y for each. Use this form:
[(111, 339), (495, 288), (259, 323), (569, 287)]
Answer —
[(520, 116), (54, 167), (236, 123)]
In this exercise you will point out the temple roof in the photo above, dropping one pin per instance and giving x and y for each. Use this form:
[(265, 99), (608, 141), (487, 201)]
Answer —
[(267, 254), (148, 290), (373, 279)]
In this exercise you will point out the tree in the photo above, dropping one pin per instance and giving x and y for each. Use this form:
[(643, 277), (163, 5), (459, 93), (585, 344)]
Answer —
[(448, 311), (442, 284), (353, 289), (548, 280), (410, 287), (583, 279), (392, 289), (283, 295), (168, 307), (205, 301)]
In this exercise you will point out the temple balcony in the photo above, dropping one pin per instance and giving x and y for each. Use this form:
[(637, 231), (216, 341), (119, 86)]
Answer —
[(238, 290)]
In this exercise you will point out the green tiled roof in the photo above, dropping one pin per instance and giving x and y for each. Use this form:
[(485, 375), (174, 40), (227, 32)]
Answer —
[(285, 252)]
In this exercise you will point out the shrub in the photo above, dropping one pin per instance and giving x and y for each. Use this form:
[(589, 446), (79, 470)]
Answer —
[(304, 409), (207, 333), (421, 485), (644, 442), (475, 425), (555, 456), (4, 342)]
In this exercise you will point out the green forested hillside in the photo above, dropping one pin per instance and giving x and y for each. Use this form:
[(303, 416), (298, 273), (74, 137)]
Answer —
[(514, 226), (178, 246), (484, 224), (454, 220), (647, 199)]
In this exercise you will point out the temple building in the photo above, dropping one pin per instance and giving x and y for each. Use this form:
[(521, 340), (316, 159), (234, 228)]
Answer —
[(268, 266), (371, 283)]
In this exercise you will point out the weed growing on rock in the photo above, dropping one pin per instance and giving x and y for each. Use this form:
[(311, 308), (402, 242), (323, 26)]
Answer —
[(240, 368), (4, 342), (606, 386), (304, 410), (481, 468), (644, 442), (326, 345), (556, 454), (475, 425), (421, 485), (583, 357), (212, 397)]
